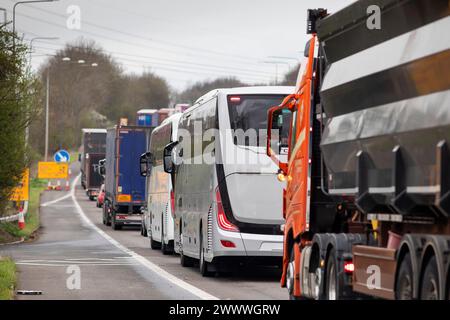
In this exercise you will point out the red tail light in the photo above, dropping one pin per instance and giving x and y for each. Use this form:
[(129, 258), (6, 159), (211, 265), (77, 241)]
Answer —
[(172, 203), (349, 267), (227, 244), (222, 220)]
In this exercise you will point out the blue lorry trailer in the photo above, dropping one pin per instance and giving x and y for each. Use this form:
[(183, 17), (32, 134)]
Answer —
[(124, 186)]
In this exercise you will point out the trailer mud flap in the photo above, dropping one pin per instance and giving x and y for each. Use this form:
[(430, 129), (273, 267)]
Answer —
[(374, 272)]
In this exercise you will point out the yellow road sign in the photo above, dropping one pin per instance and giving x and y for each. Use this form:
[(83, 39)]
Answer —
[(20, 193), (53, 170)]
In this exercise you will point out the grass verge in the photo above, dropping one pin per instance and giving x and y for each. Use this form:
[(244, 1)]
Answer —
[(31, 218), (7, 278)]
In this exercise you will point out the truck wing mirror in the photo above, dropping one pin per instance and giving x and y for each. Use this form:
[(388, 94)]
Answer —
[(145, 163), (307, 46), (168, 160), (101, 167), (279, 121)]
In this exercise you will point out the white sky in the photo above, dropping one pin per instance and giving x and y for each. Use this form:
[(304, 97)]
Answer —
[(181, 40)]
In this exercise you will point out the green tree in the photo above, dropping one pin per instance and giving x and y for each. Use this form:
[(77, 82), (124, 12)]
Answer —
[(18, 98)]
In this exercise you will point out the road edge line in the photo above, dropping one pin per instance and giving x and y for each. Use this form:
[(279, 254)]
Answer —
[(142, 260)]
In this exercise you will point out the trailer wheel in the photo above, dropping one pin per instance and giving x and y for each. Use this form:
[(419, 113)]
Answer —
[(404, 283), (332, 285), (430, 281), (114, 224), (106, 219)]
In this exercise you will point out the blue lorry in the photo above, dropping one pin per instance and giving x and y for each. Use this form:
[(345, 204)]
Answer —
[(124, 186)]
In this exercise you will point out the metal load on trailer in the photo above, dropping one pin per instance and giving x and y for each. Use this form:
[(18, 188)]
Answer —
[(386, 97)]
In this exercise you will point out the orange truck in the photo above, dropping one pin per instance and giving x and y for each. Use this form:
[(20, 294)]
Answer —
[(367, 177)]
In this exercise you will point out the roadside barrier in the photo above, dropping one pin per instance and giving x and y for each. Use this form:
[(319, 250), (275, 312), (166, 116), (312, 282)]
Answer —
[(15, 217), (21, 220)]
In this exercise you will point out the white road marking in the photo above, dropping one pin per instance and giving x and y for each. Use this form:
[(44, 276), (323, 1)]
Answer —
[(45, 204), (68, 264), (143, 261), (72, 262)]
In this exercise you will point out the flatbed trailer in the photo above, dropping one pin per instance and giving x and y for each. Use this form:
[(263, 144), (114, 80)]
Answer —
[(367, 196)]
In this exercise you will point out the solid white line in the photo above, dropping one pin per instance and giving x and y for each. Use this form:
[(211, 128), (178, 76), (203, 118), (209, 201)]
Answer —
[(71, 264), (142, 260), (45, 204)]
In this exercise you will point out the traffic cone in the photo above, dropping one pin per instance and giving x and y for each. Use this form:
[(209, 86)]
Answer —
[(67, 185), (21, 220), (58, 185)]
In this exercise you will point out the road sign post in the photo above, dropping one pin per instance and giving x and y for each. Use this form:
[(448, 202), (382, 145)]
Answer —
[(61, 156)]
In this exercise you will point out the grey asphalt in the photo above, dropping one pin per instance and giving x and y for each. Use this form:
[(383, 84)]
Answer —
[(107, 272)]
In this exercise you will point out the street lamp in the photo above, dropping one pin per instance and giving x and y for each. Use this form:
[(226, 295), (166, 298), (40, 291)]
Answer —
[(5, 18), (64, 59), (39, 38), (14, 16), (276, 63), (27, 129), (284, 58)]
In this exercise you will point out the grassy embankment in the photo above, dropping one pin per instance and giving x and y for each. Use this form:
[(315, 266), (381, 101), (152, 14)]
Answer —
[(7, 279), (10, 231)]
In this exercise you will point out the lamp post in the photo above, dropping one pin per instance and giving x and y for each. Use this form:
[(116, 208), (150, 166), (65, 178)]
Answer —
[(276, 63), (14, 16), (5, 18), (37, 39), (65, 59)]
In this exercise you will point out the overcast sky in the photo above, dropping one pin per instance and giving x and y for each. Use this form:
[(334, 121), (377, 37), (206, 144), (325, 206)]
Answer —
[(181, 40)]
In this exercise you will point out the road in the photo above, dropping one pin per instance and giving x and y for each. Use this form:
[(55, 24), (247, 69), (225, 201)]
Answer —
[(116, 264)]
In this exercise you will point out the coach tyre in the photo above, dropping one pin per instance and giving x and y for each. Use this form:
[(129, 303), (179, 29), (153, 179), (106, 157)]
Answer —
[(430, 281), (154, 245), (203, 265), (164, 247), (184, 261), (404, 282)]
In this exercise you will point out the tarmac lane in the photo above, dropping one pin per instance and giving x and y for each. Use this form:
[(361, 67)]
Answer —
[(77, 257), (71, 260)]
